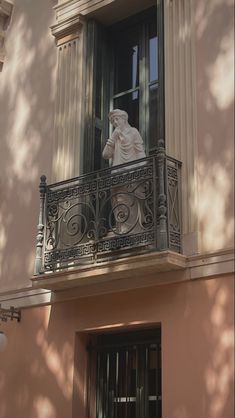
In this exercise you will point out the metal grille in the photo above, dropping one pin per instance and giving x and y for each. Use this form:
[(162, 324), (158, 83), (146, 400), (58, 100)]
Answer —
[(129, 381), (128, 209)]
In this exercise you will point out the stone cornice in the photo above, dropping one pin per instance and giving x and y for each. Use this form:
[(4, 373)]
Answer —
[(71, 7), (69, 27)]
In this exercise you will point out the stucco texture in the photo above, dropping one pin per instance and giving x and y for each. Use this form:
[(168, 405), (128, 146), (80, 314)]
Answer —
[(37, 378), (27, 91)]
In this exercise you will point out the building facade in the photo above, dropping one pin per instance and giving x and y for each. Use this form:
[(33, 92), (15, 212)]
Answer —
[(126, 308)]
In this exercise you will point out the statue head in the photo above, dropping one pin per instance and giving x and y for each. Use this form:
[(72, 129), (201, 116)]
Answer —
[(118, 117)]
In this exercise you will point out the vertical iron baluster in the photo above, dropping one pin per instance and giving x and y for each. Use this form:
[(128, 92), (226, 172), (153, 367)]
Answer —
[(126, 382), (116, 385), (157, 380), (155, 201), (98, 390), (96, 226), (162, 200), (107, 386), (137, 384), (40, 235), (146, 386)]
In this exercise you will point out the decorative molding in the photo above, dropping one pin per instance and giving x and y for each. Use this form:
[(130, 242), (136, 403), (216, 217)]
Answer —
[(67, 29), (69, 8), (115, 277), (140, 265), (25, 297), (6, 9), (68, 128)]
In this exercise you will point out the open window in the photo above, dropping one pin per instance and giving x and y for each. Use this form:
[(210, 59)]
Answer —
[(124, 70)]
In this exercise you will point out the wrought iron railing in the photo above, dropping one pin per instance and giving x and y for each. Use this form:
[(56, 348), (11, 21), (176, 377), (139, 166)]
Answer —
[(115, 212)]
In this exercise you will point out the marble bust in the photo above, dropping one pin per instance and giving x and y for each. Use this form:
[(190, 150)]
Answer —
[(125, 144)]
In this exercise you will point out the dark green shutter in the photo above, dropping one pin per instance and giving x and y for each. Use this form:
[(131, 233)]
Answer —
[(96, 97)]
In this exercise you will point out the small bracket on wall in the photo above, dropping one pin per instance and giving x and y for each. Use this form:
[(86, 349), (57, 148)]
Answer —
[(9, 313)]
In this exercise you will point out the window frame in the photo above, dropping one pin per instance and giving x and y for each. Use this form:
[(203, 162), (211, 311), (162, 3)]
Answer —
[(142, 21), (103, 351), (93, 122)]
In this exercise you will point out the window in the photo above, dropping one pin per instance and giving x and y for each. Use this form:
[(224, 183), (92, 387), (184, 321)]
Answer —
[(134, 81), (124, 63), (128, 375)]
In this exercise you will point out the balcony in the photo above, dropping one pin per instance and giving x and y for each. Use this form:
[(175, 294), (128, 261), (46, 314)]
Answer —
[(112, 214)]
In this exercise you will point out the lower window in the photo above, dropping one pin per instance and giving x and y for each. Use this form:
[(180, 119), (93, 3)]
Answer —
[(127, 377)]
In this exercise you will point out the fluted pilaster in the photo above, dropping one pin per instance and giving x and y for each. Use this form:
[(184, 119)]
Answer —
[(180, 107), (68, 112)]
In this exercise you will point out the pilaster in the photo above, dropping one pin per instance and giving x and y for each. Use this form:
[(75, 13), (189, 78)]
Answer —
[(180, 108), (68, 134)]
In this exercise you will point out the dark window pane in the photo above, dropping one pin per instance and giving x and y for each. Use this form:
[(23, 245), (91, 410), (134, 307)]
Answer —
[(97, 150), (130, 103), (98, 95), (126, 61), (153, 128), (99, 70), (153, 64), (153, 51)]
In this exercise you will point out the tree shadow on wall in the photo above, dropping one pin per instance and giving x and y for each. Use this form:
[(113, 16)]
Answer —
[(215, 95), (36, 371), (27, 91)]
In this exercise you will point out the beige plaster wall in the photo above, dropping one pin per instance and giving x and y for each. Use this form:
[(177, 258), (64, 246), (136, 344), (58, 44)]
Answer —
[(27, 90), (214, 25), (36, 370)]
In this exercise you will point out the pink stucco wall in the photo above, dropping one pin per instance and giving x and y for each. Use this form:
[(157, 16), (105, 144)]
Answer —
[(214, 29), (27, 91), (36, 369)]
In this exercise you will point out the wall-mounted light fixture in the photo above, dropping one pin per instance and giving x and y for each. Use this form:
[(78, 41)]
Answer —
[(3, 341), (5, 314), (9, 313)]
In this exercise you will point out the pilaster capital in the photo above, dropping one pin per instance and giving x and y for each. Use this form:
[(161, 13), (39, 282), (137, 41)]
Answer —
[(68, 29), (6, 9)]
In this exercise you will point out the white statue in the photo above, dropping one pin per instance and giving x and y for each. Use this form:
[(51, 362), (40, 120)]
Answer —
[(124, 146)]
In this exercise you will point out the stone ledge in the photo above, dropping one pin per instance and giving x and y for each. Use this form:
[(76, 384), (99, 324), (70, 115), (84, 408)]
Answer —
[(211, 264), (202, 266), (131, 267)]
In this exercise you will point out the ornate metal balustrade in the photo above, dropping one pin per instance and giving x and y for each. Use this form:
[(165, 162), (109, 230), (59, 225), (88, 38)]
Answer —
[(116, 212)]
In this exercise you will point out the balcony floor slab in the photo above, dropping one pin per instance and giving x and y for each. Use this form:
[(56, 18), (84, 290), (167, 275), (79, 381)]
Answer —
[(131, 268)]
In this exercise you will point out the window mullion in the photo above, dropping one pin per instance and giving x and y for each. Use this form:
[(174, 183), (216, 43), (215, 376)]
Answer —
[(161, 95), (111, 83), (144, 94)]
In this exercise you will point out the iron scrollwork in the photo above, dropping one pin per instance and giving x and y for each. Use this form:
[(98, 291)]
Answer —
[(108, 212)]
